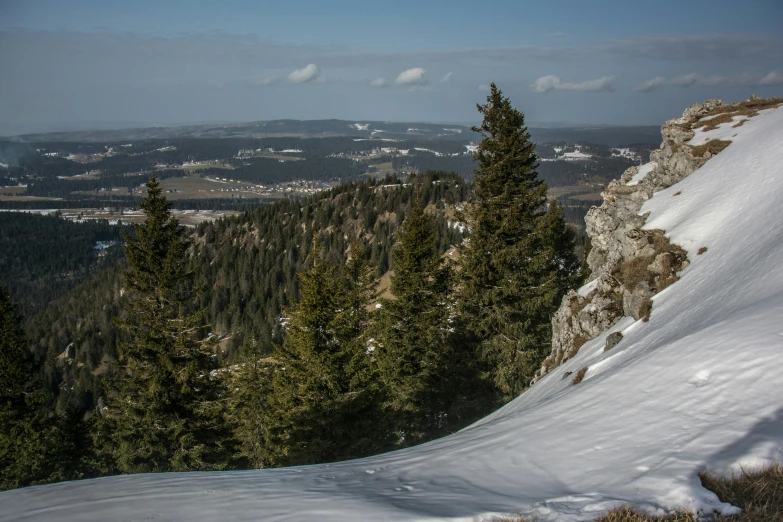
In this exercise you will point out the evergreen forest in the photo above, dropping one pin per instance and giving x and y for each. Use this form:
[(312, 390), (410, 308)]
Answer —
[(376, 315)]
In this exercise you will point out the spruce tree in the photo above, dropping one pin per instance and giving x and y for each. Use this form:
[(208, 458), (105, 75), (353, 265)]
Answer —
[(323, 402), (519, 259), (413, 332), (248, 410), (163, 406)]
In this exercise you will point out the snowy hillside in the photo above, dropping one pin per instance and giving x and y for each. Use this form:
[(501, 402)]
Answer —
[(698, 386)]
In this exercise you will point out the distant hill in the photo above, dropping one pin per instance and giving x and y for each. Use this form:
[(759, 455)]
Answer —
[(601, 135)]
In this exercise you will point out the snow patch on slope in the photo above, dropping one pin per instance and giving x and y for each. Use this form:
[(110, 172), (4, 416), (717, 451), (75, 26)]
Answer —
[(642, 173), (695, 387)]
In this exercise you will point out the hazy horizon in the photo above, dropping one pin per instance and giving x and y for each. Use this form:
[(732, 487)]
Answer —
[(91, 64)]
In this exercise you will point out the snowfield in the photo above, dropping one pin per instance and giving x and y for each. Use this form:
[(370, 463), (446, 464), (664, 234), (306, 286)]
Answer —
[(698, 386)]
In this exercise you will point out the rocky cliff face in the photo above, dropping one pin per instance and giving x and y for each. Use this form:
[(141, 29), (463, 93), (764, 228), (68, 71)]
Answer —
[(629, 265)]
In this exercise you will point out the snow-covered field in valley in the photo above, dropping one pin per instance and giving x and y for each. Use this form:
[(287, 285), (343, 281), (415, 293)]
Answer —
[(698, 386)]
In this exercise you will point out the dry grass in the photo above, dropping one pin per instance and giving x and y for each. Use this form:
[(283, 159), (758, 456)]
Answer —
[(712, 146), (579, 341), (578, 376), (701, 251), (626, 514), (725, 113), (677, 193), (634, 271), (645, 310), (759, 493), (713, 123), (577, 304)]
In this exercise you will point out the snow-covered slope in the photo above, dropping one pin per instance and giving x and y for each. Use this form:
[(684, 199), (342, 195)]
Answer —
[(698, 386)]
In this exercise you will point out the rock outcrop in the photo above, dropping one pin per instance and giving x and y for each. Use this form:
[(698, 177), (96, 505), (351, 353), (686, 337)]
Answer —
[(628, 265)]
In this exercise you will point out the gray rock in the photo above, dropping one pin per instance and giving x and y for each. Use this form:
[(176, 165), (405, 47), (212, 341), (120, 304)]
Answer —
[(615, 230), (612, 340)]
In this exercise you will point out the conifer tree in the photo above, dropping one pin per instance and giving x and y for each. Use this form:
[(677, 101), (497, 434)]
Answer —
[(36, 446), (413, 332), (519, 259), (323, 404), (248, 410), (163, 411)]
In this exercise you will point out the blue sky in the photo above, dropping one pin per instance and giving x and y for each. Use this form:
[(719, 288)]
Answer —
[(80, 63)]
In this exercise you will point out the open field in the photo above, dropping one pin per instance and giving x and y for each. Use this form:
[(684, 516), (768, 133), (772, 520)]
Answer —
[(278, 157), (90, 175), (383, 170), (185, 217), (12, 191), (589, 189), (202, 166)]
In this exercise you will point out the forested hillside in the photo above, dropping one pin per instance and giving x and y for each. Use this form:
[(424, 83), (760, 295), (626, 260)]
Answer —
[(248, 266), (41, 257), (314, 329)]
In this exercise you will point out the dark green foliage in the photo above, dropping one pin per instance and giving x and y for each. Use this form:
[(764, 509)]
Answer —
[(42, 257), (248, 406), (412, 337), (325, 399), (163, 409), (36, 447), (519, 261)]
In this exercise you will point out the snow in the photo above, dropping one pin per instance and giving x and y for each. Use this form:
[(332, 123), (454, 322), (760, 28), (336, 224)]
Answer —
[(576, 155), (724, 131), (428, 150), (643, 171), (695, 387), (585, 290)]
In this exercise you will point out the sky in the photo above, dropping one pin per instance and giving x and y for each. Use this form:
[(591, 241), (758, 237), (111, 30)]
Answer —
[(102, 63)]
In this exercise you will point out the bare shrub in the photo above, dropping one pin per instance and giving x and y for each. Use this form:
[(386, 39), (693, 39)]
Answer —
[(701, 250)]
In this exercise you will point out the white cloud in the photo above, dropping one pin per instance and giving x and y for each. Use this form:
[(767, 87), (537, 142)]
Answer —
[(553, 83), (484, 88), (379, 82), (651, 84), (688, 80), (413, 76), (773, 78), (446, 78), (264, 81), (306, 74)]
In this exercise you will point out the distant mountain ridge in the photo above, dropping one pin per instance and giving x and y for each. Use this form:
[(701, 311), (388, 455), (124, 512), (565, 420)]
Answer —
[(364, 129)]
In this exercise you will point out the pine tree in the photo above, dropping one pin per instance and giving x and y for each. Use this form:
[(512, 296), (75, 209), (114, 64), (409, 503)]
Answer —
[(163, 411), (413, 332), (519, 260), (323, 403)]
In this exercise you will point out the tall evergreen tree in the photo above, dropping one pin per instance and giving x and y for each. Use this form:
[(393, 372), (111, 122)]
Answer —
[(323, 404), (163, 410), (413, 332), (519, 260)]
